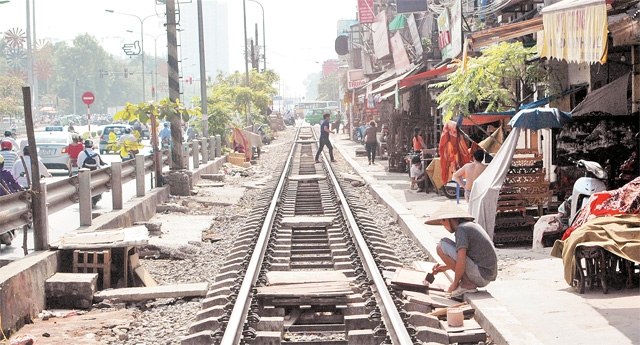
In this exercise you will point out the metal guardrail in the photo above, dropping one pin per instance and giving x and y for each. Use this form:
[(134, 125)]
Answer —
[(16, 208)]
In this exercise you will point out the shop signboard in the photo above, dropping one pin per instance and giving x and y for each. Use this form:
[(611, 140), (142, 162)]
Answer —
[(444, 34), (355, 78), (365, 11)]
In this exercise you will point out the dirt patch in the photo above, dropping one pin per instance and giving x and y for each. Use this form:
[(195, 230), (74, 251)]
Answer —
[(83, 329)]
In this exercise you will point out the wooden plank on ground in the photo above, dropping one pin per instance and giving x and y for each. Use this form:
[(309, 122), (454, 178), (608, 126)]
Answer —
[(321, 289), (144, 276), (162, 291), (298, 277), (305, 222), (441, 282), (428, 299), (443, 311)]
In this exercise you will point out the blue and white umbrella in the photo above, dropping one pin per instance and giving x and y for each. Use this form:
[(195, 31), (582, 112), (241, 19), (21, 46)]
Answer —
[(538, 118)]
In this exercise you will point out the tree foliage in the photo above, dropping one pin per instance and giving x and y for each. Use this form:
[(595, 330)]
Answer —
[(329, 87), (491, 82), (11, 96)]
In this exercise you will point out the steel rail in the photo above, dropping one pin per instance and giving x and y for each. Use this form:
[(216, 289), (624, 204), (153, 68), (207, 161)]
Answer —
[(233, 331), (392, 320)]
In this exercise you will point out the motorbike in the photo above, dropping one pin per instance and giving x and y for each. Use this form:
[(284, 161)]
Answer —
[(165, 144), (551, 227), (585, 186)]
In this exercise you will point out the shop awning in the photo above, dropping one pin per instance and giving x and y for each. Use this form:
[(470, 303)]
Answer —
[(481, 119), (389, 84), (611, 98), (575, 31), (505, 32), (432, 74)]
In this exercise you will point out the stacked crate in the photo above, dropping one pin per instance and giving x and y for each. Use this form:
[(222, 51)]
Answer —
[(525, 186)]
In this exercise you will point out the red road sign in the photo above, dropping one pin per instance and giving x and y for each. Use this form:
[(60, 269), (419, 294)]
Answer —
[(88, 98)]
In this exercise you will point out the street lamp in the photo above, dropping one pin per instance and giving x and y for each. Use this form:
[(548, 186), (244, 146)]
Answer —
[(264, 37), (155, 61), (144, 90)]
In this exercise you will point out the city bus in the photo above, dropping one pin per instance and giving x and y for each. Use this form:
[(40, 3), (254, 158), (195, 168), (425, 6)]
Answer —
[(308, 105)]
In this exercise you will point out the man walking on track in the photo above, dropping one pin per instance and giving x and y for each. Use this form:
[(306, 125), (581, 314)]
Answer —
[(324, 138)]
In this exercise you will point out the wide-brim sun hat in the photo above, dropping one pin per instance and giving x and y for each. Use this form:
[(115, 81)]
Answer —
[(448, 211)]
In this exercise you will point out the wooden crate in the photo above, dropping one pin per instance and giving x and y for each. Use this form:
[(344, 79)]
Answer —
[(237, 159), (94, 261)]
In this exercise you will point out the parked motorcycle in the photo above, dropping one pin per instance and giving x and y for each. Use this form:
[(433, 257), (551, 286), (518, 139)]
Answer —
[(551, 227)]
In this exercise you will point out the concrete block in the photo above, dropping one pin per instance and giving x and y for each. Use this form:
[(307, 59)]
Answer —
[(227, 275), (22, 294), (208, 324), (70, 290), (213, 312), (214, 301), (356, 309), (353, 322), (267, 338), (423, 319), (417, 307), (270, 324), (432, 334), (222, 284), (223, 291), (200, 338), (361, 337)]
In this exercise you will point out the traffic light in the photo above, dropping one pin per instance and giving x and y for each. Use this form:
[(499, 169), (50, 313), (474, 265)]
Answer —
[(153, 92), (126, 73), (190, 80)]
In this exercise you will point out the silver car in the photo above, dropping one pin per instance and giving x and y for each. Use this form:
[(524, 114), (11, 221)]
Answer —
[(52, 149)]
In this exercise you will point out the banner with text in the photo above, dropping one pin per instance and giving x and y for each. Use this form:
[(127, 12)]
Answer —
[(576, 34), (365, 11)]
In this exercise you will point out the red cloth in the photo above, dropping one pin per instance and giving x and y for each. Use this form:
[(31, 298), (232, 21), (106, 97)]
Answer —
[(74, 150), (417, 143), (453, 151), (624, 200)]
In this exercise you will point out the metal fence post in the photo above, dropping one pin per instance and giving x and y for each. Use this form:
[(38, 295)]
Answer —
[(212, 148), (204, 150), (116, 185), (218, 146), (84, 196), (139, 175), (40, 219), (195, 151)]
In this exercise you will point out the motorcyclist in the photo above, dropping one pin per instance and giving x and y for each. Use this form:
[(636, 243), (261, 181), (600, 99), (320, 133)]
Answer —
[(74, 149), (165, 136), (70, 128), (127, 140), (19, 172), (8, 137), (10, 157), (91, 160)]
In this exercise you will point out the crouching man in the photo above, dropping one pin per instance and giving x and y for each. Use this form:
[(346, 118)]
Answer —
[(472, 256)]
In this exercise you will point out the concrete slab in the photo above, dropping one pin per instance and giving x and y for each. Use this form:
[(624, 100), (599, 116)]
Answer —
[(146, 293), (180, 228), (300, 221), (71, 290)]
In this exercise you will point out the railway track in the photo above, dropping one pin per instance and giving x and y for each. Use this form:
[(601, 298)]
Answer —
[(308, 267)]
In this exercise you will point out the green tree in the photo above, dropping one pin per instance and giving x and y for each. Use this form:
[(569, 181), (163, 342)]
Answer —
[(492, 81), (11, 96), (329, 87)]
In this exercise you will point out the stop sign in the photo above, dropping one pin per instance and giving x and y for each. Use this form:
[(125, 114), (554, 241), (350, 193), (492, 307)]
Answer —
[(88, 98)]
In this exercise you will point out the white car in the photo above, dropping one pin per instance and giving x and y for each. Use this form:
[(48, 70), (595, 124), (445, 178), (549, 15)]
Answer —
[(52, 148)]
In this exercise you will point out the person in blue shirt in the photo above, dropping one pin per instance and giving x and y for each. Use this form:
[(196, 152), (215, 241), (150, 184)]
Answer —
[(324, 138), (165, 134)]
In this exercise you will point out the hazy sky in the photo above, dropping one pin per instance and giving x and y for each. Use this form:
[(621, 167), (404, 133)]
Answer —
[(300, 34)]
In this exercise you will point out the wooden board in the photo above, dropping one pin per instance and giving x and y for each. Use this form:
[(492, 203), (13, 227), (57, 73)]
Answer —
[(409, 277), (144, 276), (428, 299), (441, 282), (298, 277), (321, 289)]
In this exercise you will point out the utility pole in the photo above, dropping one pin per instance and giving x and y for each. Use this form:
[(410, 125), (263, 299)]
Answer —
[(174, 86), (257, 53), (246, 57), (203, 77)]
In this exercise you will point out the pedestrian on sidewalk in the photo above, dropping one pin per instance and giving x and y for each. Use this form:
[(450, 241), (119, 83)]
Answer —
[(371, 141), (472, 256), (470, 172), (324, 138), (418, 141), (418, 177)]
